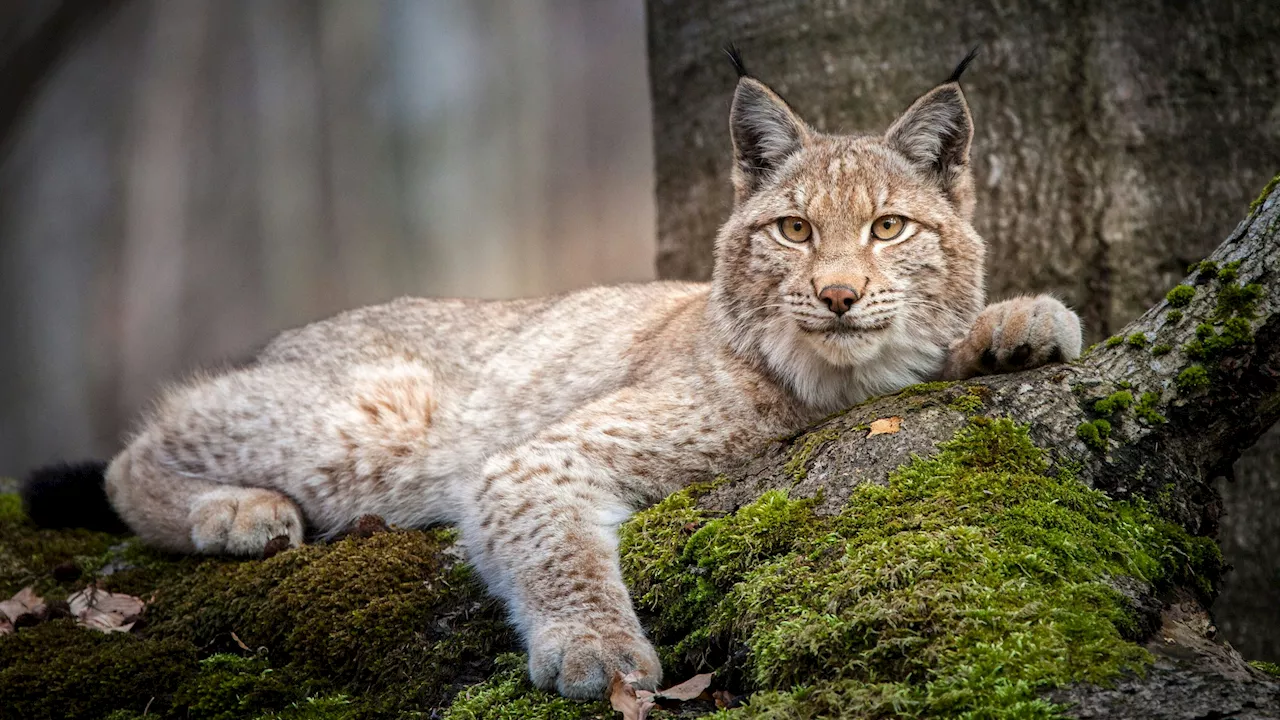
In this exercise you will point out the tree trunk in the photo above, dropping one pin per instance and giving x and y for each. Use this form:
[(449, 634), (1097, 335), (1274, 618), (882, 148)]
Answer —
[(1116, 142)]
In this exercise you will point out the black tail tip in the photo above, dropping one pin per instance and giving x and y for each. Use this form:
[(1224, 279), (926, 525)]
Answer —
[(735, 57), (70, 495), (964, 65)]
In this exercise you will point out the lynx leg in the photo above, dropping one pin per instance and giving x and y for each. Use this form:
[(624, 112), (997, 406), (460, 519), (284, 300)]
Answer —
[(557, 566), (186, 514), (544, 548)]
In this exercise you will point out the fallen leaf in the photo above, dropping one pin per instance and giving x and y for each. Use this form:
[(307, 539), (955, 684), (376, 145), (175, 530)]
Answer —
[(687, 690), (24, 608), (239, 642), (105, 611), (623, 697), (885, 426), (25, 601)]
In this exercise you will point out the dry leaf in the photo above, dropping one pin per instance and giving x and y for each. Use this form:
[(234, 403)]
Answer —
[(623, 697), (26, 607), (687, 690), (886, 426), (239, 642), (25, 602), (105, 611)]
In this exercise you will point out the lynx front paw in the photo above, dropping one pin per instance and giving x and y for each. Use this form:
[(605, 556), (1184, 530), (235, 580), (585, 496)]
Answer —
[(1013, 335), (241, 521), (579, 662)]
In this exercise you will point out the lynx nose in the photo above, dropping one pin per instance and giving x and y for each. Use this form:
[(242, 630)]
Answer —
[(839, 298)]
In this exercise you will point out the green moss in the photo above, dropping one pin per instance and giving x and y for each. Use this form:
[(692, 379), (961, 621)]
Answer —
[(1094, 433), (1208, 269), (686, 557), (138, 570), (386, 626), (1114, 340), (1138, 340), (1115, 402), (507, 695), (1146, 409), (1266, 191), (366, 615), (1236, 300), (1173, 317), (1180, 296), (1192, 378), (1269, 668), (230, 687), (1161, 349), (330, 707), (973, 581), (1229, 272), (924, 388), (29, 554), (11, 509), (1210, 344), (968, 403), (652, 546), (798, 464), (57, 670)]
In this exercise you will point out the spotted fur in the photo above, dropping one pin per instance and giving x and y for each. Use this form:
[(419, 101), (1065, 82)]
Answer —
[(537, 426)]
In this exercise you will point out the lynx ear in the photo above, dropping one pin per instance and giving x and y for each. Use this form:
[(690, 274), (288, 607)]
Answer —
[(935, 134), (765, 133)]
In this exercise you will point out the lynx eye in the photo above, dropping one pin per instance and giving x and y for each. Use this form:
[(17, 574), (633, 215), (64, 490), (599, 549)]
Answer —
[(795, 229), (887, 227)]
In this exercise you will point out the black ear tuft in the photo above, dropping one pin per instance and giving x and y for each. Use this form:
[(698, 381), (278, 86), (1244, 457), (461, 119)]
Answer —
[(735, 57), (964, 65)]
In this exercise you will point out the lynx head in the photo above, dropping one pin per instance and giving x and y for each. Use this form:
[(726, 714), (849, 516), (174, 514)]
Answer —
[(849, 261)]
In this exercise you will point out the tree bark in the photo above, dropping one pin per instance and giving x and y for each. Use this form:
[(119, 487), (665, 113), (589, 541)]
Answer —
[(1116, 143)]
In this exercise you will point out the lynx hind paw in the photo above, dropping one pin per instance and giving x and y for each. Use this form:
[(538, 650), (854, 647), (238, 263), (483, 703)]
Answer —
[(242, 521), (1017, 334), (579, 662)]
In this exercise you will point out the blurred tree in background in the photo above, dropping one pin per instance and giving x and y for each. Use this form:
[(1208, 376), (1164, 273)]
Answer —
[(1116, 143), (182, 179)]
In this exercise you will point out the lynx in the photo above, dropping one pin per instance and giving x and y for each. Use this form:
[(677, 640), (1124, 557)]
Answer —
[(849, 267)]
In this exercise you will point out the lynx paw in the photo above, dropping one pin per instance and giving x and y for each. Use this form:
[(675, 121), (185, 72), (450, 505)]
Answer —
[(241, 521), (579, 662), (1016, 334)]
